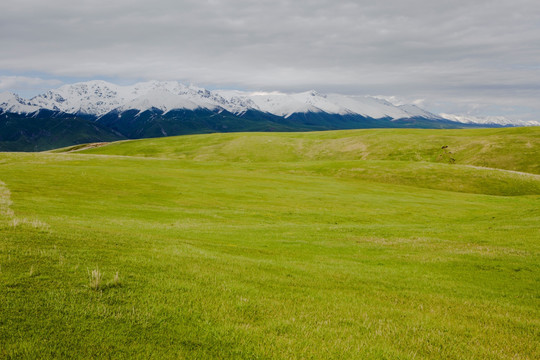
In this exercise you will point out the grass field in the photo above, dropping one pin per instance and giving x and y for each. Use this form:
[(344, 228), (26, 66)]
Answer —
[(364, 244)]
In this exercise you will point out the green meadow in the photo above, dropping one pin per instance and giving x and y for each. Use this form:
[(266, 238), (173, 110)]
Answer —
[(357, 244)]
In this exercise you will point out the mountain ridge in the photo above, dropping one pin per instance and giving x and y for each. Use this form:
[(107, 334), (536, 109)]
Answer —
[(97, 111), (99, 97)]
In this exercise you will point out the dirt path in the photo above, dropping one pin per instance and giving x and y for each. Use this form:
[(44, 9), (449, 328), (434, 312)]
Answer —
[(88, 146), (507, 171)]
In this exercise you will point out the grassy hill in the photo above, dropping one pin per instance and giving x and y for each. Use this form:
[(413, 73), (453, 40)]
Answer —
[(408, 157), (508, 148), (349, 244)]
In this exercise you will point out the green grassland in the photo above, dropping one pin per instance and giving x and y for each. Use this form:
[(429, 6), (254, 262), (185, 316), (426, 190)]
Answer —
[(361, 244)]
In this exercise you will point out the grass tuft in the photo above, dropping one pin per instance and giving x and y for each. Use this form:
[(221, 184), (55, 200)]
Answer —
[(115, 281), (15, 222), (5, 202), (34, 223), (96, 279)]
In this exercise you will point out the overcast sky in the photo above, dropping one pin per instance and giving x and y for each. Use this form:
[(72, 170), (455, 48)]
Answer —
[(476, 57)]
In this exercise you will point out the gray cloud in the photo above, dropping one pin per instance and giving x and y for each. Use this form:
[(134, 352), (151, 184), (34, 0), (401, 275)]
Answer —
[(469, 56), (23, 84)]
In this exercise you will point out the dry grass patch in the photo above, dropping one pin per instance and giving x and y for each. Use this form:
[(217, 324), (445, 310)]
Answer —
[(96, 279), (34, 223), (5, 202)]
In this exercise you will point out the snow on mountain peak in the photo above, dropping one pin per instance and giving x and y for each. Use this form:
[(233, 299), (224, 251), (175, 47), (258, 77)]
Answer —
[(164, 99), (414, 110), (93, 97), (99, 97), (10, 102), (488, 120)]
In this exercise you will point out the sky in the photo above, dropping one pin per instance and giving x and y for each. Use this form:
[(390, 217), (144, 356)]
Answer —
[(478, 58)]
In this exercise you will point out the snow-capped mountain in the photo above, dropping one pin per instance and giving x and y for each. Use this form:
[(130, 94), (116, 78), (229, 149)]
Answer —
[(101, 97), (488, 120), (12, 103), (98, 98)]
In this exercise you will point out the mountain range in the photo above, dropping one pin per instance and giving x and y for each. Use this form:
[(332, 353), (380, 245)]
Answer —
[(101, 111)]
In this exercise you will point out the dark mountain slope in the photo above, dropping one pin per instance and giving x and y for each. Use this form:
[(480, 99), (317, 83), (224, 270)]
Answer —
[(46, 130)]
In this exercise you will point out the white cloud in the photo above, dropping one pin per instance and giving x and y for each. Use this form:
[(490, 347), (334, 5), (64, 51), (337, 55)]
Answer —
[(26, 86), (21, 83), (418, 102), (394, 100)]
